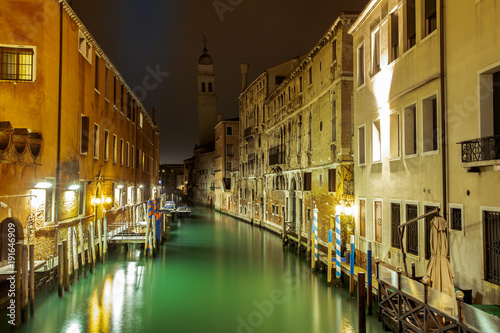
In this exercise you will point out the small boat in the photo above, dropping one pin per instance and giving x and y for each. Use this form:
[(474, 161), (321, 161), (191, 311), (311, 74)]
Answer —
[(184, 211), (169, 207)]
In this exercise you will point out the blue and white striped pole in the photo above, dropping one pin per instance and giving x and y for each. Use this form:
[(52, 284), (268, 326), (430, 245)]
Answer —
[(369, 276), (314, 236), (337, 247), (351, 271), (330, 241)]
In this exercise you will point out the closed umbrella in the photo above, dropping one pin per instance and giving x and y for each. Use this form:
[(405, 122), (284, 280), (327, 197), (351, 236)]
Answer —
[(439, 268)]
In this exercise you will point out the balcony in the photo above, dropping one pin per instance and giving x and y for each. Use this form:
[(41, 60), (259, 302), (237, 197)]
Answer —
[(276, 156), (249, 133), (251, 158), (481, 152)]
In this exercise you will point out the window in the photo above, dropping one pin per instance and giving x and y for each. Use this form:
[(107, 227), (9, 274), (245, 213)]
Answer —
[(334, 119), (377, 220), (361, 145), (394, 148), (129, 106), (361, 65), (411, 28), (122, 103), (307, 181), (229, 130), (376, 141), (489, 88), (320, 180), (428, 228), (133, 157), (115, 143), (334, 50), (310, 75), (106, 148), (376, 51), (229, 150), (96, 72), (203, 87), (96, 141), (430, 16), (412, 230), (106, 85), (49, 204), (394, 36), (410, 119), (141, 119), (278, 80), (16, 64), (492, 238), (429, 124), (210, 87), (456, 217), (332, 180), (309, 132), (81, 199), (395, 222), (84, 141), (127, 152), (84, 46), (300, 84), (229, 166), (114, 91), (362, 218)]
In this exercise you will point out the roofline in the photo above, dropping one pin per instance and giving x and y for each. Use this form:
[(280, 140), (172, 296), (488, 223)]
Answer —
[(362, 17), (263, 74), (308, 57), (101, 53)]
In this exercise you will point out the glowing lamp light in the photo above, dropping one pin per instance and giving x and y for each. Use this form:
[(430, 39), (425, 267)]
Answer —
[(43, 185), (348, 211), (92, 201), (108, 200), (339, 209), (140, 186), (73, 187), (97, 200), (119, 186)]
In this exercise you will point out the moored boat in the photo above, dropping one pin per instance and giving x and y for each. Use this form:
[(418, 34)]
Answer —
[(184, 211)]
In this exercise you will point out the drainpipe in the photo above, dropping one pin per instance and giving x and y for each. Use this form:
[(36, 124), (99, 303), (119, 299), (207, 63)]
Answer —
[(59, 109), (444, 134)]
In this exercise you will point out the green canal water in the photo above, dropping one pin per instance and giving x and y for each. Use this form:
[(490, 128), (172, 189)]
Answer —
[(214, 274)]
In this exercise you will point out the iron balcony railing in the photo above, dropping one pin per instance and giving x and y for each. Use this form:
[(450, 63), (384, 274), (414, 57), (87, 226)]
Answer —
[(251, 157), (276, 156), (249, 132), (482, 149)]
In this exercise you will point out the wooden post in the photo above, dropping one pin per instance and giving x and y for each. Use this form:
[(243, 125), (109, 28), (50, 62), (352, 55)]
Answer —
[(17, 281), (400, 304), (69, 254), (146, 238), (369, 266), (426, 300), (99, 241), (379, 312), (330, 245), (351, 270), (66, 265), (89, 250), (92, 245), (81, 256), (105, 232), (361, 303), (24, 285), (32, 280), (313, 246), (74, 252), (60, 261)]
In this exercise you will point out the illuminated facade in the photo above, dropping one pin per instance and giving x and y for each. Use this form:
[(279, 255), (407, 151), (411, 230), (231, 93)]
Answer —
[(296, 149), (226, 160), (418, 94), (77, 145)]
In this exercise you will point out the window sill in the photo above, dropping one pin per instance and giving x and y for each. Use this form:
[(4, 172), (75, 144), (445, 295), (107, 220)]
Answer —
[(361, 165), (106, 100), (377, 162), (394, 159), (410, 156), (96, 157), (430, 152), (85, 154), (97, 91)]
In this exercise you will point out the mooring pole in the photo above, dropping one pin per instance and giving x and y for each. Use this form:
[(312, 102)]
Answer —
[(351, 271), (338, 264), (369, 266), (66, 266), (60, 261), (24, 285), (32, 280), (361, 303), (330, 246), (89, 250)]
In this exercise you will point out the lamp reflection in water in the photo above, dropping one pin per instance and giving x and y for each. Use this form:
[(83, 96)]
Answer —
[(100, 308)]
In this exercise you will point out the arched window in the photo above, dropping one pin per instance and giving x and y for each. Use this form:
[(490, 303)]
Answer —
[(210, 87), (203, 87)]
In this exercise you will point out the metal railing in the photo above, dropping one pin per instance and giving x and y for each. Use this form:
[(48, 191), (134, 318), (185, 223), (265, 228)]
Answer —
[(482, 149)]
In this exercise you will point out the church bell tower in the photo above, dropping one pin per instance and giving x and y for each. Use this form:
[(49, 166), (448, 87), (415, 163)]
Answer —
[(206, 97)]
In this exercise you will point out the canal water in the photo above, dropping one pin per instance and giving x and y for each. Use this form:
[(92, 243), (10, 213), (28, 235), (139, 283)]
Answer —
[(215, 274)]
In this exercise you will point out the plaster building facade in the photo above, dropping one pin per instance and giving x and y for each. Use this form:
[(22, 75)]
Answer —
[(226, 160), (425, 81), (171, 181), (77, 146), (296, 148), (204, 174)]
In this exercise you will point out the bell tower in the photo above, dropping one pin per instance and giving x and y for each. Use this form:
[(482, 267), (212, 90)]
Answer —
[(206, 97)]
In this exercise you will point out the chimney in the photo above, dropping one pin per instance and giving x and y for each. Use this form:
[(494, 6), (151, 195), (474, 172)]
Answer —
[(244, 73), (219, 117), (154, 115)]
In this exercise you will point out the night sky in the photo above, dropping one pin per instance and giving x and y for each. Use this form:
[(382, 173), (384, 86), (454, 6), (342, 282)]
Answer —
[(140, 36)]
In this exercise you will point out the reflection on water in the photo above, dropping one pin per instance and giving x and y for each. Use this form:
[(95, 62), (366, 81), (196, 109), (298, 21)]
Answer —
[(215, 274)]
